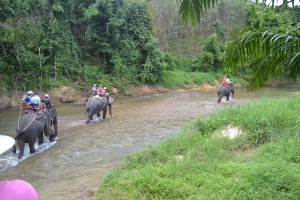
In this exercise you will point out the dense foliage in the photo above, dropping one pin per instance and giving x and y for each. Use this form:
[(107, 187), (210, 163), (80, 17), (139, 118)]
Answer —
[(266, 47), (46, 42)]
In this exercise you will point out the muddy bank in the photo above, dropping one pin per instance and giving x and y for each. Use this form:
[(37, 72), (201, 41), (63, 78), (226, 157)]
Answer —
[(66, 94)]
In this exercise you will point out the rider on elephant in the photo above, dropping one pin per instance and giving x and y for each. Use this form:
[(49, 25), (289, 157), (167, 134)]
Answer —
[(94, 90), (101, 92), (46, 101)]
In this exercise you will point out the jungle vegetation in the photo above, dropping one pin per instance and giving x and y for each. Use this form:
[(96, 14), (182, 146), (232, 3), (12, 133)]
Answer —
[(267, 45), (48, 43)]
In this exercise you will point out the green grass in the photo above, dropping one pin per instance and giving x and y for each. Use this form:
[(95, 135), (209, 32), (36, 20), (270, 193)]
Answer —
[(263, 162)]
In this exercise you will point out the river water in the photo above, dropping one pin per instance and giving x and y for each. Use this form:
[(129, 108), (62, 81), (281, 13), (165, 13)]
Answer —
[(74, 165)]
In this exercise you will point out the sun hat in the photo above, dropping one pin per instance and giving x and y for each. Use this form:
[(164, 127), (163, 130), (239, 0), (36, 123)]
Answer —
[(29, 92)]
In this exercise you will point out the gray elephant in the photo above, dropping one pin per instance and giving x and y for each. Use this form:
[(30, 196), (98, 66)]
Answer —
[(223, 90), (51, 111), (31, 127), (95, 105)]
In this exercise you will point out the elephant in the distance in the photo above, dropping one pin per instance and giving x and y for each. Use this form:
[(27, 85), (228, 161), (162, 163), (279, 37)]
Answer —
[(31, 127), (95, 105), (224, 90)]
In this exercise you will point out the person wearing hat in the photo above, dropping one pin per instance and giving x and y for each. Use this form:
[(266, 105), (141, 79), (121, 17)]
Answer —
[(36, 99), (46, 101), (27, 97)]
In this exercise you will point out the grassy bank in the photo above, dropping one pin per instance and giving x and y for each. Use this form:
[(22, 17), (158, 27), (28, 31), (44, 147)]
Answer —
[(262, 162)]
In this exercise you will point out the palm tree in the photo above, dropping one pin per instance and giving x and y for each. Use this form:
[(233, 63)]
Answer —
[(268, 53)]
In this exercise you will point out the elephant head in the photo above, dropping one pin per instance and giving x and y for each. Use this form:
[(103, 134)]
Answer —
[(95, 105), (52, 113), (223, 90), (31, 127)]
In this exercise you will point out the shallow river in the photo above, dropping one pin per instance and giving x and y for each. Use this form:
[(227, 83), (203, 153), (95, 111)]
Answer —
[(73, 167)]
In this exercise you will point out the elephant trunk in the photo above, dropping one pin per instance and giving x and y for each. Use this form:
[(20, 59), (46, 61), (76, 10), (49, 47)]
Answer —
[(47, 127)]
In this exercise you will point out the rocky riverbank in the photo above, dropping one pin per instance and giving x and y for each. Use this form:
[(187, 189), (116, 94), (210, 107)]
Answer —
[(66, 94)]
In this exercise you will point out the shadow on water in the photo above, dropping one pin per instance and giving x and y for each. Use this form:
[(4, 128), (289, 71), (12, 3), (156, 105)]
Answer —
[(73, 167)]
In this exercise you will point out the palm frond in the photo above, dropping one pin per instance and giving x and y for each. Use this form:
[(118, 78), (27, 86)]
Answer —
[(268, 53), (191, 11)]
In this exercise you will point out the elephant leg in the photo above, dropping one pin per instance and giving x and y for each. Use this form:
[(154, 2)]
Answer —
[(31, 147), (104, 112), (21, 145), (40, 138), (98, 114), (232, 94), (227, 97), (219, 99), (89, 118)]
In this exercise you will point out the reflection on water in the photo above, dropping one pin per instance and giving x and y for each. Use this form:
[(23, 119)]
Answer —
[(73, 167)]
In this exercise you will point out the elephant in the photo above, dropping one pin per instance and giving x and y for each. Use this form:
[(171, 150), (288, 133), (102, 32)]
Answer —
[(31, 127), (109, 104), (223, 90), (51, 111), (95, 105)]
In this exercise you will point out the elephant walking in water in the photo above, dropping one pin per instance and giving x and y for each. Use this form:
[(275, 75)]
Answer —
[(223, 90), (95, 105), (31, 127)]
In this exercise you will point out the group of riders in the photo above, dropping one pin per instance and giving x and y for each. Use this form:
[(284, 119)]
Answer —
[(100, 92), (227, 82), (33, 102)]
